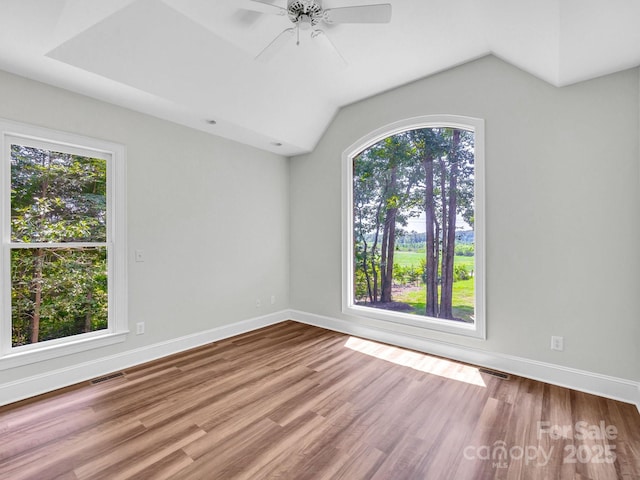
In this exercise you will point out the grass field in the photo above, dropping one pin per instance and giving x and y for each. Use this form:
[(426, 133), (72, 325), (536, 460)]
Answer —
[(463, 290), (413, 258)]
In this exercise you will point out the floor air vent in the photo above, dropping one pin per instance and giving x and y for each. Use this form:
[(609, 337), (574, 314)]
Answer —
[(503, 376), (95, 381)]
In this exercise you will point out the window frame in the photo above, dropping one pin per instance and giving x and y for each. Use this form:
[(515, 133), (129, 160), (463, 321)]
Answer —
[(118, 327), (478, 328)]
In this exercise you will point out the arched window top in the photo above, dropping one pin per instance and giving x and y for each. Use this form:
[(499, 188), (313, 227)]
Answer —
[(414, 123)]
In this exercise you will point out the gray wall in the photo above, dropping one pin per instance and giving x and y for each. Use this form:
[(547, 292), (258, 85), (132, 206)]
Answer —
[(562, 209), (211, 215)]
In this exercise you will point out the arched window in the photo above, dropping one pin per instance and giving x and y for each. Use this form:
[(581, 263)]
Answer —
[(414, 224)]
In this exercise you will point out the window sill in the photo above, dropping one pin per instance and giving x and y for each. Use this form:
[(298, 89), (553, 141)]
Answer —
[(48, 352), (448, 326)]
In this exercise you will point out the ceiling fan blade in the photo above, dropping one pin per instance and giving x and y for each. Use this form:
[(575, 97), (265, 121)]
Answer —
[(262, 6), (277, 43), (322, 38), (380, 13)]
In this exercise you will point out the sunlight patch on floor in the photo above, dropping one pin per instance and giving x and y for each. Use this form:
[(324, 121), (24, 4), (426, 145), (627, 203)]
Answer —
[(418, 361)]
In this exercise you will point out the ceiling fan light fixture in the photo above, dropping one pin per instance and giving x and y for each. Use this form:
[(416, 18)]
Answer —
[(307, 14), (305, 22), (312, 9)]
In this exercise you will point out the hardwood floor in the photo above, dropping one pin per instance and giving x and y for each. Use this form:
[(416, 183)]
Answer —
[(293, 401)]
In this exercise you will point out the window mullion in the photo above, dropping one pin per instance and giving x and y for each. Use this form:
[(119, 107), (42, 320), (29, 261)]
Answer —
[(25, 245)]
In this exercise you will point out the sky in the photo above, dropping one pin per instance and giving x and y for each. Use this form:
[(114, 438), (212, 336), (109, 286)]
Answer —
[(417, 224)]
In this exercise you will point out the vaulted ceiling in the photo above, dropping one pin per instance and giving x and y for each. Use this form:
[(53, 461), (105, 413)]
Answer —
[(191, 61)]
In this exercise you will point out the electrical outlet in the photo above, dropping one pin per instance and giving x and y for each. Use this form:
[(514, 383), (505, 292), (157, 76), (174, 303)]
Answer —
[(139, 328), (139, 255), (557, 343), (258, 303), (273, 299)]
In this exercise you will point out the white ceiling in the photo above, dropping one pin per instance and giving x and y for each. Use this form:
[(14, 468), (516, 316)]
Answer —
[(190, 61)]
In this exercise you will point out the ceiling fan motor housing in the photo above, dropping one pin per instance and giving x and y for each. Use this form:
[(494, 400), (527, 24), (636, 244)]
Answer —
[(307, 11)]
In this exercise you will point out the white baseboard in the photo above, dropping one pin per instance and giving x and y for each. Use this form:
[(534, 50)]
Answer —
[(53, 380), (598, 384), (603, 385)]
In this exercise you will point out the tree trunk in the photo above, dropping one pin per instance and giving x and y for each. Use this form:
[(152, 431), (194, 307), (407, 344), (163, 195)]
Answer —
[(388, 238), (431, 242), (444, 268), (436, 261), (38, 259), (446, 299), (388, 248), (365, 270), (374, 269), (383, 257), (39, 262)]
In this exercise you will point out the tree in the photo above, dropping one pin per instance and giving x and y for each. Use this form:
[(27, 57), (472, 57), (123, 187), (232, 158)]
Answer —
[(57, 198), (401, 179), (368, 206), (459, 201), (384, 179), (450, 208), (430, 146)]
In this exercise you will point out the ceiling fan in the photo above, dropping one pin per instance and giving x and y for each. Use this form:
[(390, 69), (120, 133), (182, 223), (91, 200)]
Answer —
[(308, 14)]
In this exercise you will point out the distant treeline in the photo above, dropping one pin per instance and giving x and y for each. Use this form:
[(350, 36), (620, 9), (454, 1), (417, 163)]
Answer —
[(417, 240), (420, 238)]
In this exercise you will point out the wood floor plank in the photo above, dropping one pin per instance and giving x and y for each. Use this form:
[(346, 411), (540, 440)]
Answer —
[(228, 453), (292, 401), (166, 467), (140, 452), (64, 455)]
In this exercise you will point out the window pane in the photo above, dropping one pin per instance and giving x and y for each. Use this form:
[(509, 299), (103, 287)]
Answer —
[(57, 292), (57, 197), (413, 224)]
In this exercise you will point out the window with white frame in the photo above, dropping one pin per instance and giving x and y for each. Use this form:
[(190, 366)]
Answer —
[(414, 224), (63, 244)]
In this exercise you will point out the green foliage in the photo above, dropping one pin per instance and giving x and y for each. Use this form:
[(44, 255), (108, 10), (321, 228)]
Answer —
[(407, 274), (360, 283), (427, 173), (57, 198), (461, 272), (465, 249)]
